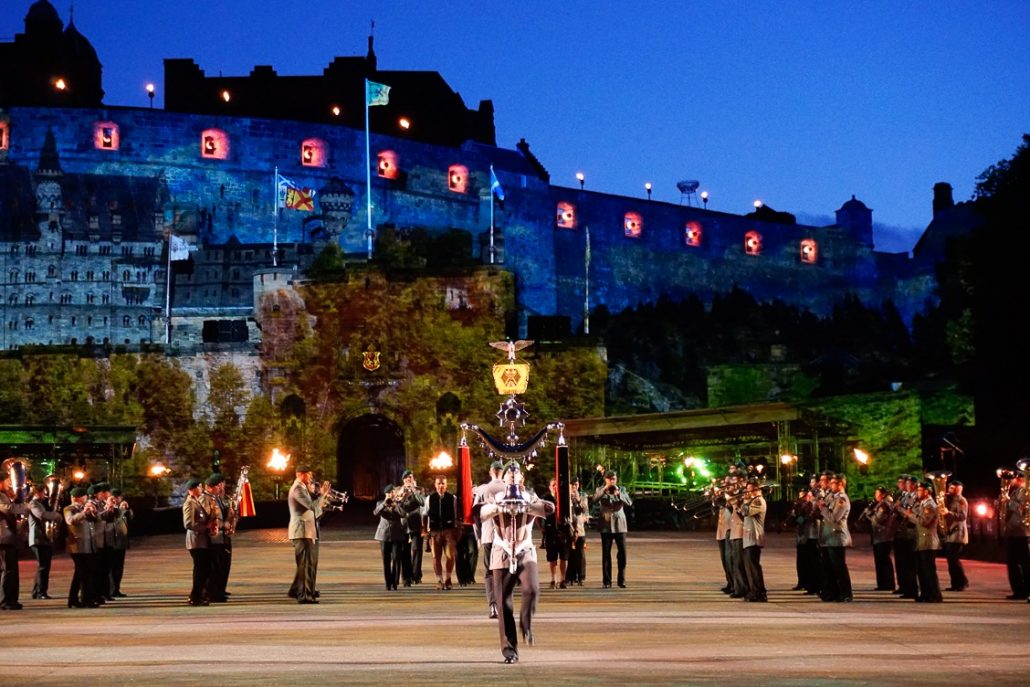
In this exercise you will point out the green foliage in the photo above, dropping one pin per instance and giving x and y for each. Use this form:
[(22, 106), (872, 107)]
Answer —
[(328, 265)]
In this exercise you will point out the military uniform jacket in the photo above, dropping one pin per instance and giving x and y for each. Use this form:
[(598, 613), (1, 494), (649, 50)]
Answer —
[(391, 522), (1014, 526), (722, 523), (196, 520), (613, 512), (925, 517), (39, 515), (753, 513), (956, 520), (9, 512), (834, 529), (521, 545), (80, 529), (412, 509), (304, 512), (904, 529), (101, 536), (485, 494), (218, 512), (736, 522), (580, 514), (882, 522)]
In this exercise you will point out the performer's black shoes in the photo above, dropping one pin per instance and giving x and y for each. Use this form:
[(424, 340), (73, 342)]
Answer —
[(622, 585), (511, 659), (527, 637), (493, 610)]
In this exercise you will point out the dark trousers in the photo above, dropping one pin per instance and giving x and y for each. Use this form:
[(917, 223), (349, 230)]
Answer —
[(102, 572), (812, 576), (44, 554), (9, 582), (82, 590), (201, 572), (219, 575), (305, 554), (724, 544), (905, 560), (391, 552), (884, 566), (415, 544), (956, 573), (828, 581), (504, 584), (753, 567), (926, 569), (606, 557), (491, 593), (736, 549), (1017, 560), (117, 570), (837, 558), (799, 563), (574, 570)]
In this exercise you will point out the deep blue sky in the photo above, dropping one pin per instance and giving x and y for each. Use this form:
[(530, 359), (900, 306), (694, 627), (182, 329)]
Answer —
[(800, 104)]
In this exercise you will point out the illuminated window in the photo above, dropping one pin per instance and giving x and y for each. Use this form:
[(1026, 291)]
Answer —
[(387, 166), (458, 178), (566, 216), (632, 225), (3, 135), (809, 251), (313, 153), (214, 144), (692, 234), (753, 243), (105, 136)]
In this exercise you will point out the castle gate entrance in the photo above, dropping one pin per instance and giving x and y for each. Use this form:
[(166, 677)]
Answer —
[(369, 456)]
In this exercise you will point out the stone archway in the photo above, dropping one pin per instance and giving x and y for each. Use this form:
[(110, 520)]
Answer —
[(369, 455)]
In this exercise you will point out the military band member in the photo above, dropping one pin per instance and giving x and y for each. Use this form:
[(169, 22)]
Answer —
[(11, 510), (218, 509), (305, 510), (391, 536), (40, 516), (119, 541), (441, 513), (956, 536), (103, 536), (197, 522), (905, 540), (576, 571), (752, 510), (613, 526), (835, 537), (722, 532), (928, 543), (556, 540), (81, 518), (735, 537), (412, 504), (881, 523), (483, 494), (515, 510), (1017, 555)]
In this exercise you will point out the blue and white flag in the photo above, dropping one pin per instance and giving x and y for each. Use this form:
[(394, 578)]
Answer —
[(376, 93), (178, 249), (495, 186)]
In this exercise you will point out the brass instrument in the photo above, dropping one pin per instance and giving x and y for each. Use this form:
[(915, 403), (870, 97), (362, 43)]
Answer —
[(17, 472), (1005, 476), (54, 488), (335, 500), (1023, 465), (940, 488)]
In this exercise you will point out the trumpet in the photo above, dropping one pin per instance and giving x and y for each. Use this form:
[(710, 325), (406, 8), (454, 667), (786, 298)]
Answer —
[(333, 499)]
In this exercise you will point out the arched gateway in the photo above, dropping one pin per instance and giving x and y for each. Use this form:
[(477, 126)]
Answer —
[(369, 455)]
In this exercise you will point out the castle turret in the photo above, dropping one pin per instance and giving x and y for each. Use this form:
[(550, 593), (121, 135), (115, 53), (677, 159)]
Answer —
[(942, 198), (857, 219)]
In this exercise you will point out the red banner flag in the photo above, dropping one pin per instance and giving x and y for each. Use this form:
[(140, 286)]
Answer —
[(247, 509), (465, 463)]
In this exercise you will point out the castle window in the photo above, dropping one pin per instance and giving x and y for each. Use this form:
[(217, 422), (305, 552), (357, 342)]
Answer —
[(126, 250), (12, 299), (30, 277), (13, 275), (90, 298), (14, 249), (566, 216), (105, 298), (126, 320), (30, 250), (388, 166), (75, 275), (51, 271), (74, 319), (82, 249), (66, 298), (126, 275), (632, 225), (94, 221), (458, 178), (809, 251), (89, 275), (107, 275), (313, 152), (214, 144), (142, 321), (116, 219), (3, 136), (148, 250), (89, 321), (693, 233), (29, 323), (30, 299), (753, 243), (105, 136), (105, 250)]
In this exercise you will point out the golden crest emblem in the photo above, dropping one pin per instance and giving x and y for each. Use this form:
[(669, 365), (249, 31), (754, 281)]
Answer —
[(370, 359)]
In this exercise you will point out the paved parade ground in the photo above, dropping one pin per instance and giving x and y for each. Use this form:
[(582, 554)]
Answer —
[(671, 625)]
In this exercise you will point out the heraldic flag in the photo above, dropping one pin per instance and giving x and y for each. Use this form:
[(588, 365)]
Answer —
[(178, 249), (376, 93), (293, 197), (247, 509)]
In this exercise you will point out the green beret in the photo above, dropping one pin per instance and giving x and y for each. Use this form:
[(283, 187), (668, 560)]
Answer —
[(92, 490), (610, 473), (192, 483), (116, 492), (497, 465), (214, 480), (387, 489), (957, 483), (103, 486), (76, 492), (303, 468), (406, 473)]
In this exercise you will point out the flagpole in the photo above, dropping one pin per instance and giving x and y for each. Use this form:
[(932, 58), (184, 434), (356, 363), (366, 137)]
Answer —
[(586, 283), (275, 221), (492, 177), (168, 294), (368, 175)]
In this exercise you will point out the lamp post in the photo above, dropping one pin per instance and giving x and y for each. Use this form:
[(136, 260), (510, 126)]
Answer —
[(704, 198), (277, 464), (150, 94), (581, 178), (156, 472), (757, 204), (647, 187)]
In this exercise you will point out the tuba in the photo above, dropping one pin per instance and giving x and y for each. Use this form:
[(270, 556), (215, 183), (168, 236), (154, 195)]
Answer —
[(1023, 465), (17, 472), (940, 490), (54, 489), (1005, 476)]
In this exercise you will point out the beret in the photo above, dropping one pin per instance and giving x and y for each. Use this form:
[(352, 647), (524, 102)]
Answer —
[(303, 468), (214, 480), (76, 492), (192, 483), (610, 473), (116, 492), (406, 473), (497, 465), (957, 483)]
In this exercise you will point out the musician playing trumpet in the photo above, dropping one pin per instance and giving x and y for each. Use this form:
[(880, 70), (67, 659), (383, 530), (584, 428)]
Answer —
[(412, 501), (924, 514), (40, 514), (513, 555), (11, 510), (81, 518)]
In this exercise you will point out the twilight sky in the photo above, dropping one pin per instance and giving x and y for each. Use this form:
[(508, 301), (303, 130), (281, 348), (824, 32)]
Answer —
[(798, 103)]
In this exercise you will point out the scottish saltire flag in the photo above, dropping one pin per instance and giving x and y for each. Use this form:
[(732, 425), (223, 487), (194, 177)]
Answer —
[(495, 185), (376, 93), (293, 197), (178, 249)]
